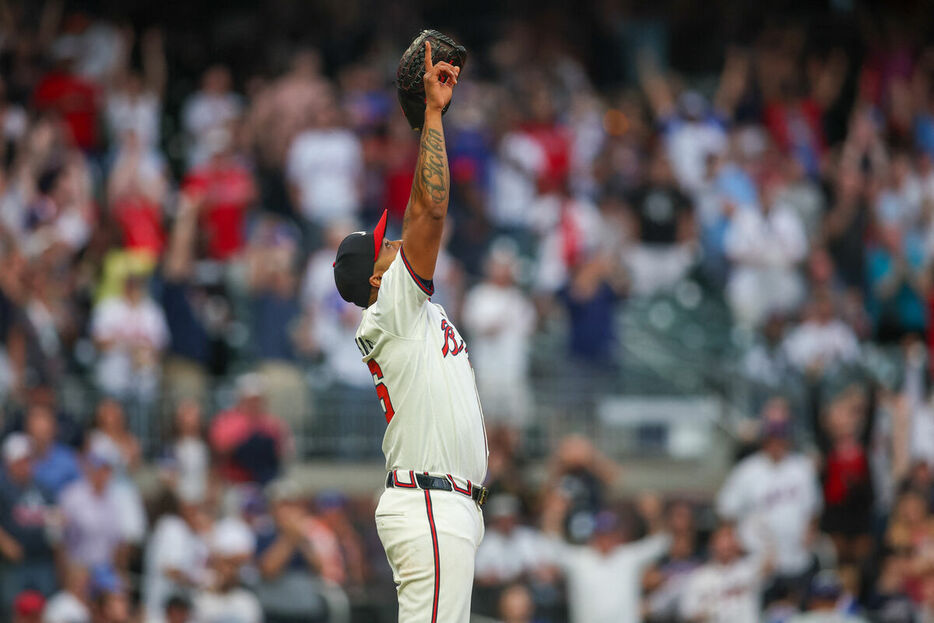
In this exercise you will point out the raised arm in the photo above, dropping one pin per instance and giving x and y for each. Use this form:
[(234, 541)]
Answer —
[(428, 204)]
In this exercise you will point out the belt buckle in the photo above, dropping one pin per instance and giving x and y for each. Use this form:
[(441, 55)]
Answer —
[(484, 493)]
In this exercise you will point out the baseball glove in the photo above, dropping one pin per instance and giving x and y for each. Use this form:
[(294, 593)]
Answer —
[(409, 85)]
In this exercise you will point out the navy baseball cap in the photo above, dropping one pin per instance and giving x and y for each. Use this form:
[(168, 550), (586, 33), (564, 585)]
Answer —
[(354, 264)]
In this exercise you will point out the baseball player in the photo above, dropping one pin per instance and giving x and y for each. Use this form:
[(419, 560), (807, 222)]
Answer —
[(428, 518)]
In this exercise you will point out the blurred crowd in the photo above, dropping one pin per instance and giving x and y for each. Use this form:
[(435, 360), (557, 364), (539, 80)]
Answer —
[(168, 320)]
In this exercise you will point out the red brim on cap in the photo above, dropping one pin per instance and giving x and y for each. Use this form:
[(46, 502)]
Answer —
[(379, 232)]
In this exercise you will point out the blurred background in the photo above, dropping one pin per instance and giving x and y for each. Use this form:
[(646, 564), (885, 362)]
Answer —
[(690, 245)]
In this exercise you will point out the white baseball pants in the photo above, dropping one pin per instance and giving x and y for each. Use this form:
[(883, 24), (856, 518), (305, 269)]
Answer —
[(431, 540)]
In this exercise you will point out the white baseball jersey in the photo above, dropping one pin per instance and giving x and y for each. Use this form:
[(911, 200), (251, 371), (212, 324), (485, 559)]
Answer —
[(423, 378), (774, 504), (718, 593)]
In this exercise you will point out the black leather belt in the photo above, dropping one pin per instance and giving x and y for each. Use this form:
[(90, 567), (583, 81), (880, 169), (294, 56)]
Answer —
[(418, 480)]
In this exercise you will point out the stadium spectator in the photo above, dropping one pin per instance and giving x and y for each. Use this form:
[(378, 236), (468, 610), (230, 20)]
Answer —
[(823, 603), (93, 530), (110, 427), (510, 552), (275, 310), (608, 554), (231, 544), (176, 556), (134, 103), (324, 166), (214, 106), (132, 514), (583, 474), (249, 442), (847, 486), (111, 601), (765, 243), (189, 457), (847, 222), (178, 609), (287, 559), (64, 93), (591, 296), (691, 131), (661, 218), (516, 606), (191, 345), (26, 514), (665, 584), (728, 588), (136, 191), (334, 536), (501, 320), (55, 465), (224, 190), (897, 283), (130, 331), (71, 603), (278, 113), (773, 496), (822, 342), (329, 322)]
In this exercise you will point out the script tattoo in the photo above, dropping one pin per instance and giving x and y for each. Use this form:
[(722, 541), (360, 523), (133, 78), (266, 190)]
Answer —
[(432, 166)]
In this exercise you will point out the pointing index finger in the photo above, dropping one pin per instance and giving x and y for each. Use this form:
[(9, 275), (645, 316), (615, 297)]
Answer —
[(428, 63)]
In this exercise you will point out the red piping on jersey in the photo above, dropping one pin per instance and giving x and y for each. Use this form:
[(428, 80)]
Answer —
[(434, 546), (418, 280), (466, 491)]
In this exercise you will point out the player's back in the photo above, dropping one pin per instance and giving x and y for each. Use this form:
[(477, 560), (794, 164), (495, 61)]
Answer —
[(424, 380)]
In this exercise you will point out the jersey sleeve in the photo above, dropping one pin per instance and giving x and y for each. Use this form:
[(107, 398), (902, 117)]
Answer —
[(400, 303)]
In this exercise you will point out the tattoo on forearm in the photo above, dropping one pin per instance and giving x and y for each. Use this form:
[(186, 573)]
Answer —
[(432, 174)]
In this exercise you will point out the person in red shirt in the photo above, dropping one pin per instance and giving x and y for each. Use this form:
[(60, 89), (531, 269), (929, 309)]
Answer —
[(136, 191), (75, 100), (225, 188), (848, 498), (250, 443)]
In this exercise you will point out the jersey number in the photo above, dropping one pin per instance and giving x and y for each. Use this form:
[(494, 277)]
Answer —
[(381, 390)]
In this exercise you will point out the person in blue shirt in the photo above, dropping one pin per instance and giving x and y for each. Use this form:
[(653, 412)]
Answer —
[(55, 465), (27, 560), (895, 269)]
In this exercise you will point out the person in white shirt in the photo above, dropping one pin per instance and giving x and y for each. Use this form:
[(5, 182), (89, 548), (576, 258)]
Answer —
[(91, 511), (765, 246), (519, 162), (130, 332), (213, 107), (324, 166), (822, 341), (189, 458), (501, 320), (604, 577), (70, 605), (226, 601), (774, 497), (175, 559), (134, 104), (728, 588), (509, 552)]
